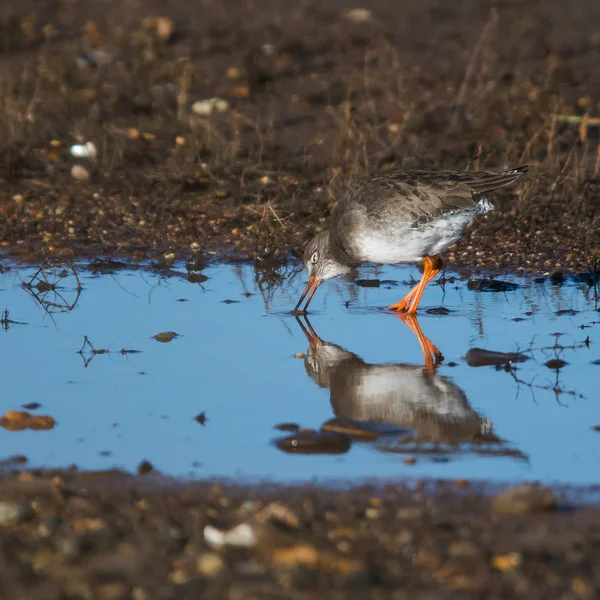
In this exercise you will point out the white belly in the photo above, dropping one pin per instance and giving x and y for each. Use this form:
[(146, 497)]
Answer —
[(404, 243)]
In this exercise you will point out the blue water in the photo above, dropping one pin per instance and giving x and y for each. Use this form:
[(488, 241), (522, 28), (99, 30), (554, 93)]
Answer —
[(235, 362)]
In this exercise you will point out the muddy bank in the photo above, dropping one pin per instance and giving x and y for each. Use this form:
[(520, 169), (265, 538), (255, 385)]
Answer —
[(308, 98), (110, 535)]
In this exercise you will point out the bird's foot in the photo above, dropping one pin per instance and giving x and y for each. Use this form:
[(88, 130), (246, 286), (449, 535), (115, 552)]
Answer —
[(399, 307), (403, 305)]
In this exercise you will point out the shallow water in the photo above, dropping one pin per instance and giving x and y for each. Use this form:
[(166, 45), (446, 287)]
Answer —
[(233, 362)]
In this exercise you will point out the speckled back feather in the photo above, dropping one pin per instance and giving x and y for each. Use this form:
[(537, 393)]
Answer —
[(422, 195)]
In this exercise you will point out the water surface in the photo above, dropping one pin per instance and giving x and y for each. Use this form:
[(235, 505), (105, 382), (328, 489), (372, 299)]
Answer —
[(207, 402)]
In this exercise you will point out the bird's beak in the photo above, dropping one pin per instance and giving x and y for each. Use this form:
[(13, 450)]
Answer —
[(310, 289), (309, 332)]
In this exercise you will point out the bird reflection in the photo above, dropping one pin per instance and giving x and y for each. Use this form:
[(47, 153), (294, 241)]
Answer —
[(409, 396)]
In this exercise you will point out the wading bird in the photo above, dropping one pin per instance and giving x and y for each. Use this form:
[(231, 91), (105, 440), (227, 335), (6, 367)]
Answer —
[(400, 217)]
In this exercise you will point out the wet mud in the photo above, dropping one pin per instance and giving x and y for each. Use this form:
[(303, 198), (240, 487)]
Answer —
[(158, 130), (111, 535)]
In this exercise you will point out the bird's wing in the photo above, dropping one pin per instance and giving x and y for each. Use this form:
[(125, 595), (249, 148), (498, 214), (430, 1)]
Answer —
[(424, 195)]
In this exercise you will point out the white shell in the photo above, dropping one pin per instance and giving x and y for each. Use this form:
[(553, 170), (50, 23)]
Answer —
[(87, 150), (241, 536)]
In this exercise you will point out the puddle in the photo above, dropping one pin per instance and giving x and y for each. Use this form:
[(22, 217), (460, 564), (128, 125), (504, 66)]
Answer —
[(195, 377)]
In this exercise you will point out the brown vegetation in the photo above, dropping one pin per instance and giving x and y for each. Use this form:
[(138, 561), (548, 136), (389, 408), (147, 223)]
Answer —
[(315, 94)]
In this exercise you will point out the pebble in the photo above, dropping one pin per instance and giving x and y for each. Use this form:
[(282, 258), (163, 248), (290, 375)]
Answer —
[(358, 15), (506, 562), (80, 173), (241, 536), (524, 499), (556, 363), (87, 150), (410, 513), (164, 28), (322, 442), (209, 565), (145, 467), (13, 513), (204, 108), (165, 336), (479, 357), (279, 513)]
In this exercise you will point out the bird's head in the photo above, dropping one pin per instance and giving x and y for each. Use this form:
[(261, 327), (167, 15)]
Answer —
[(320, 264)]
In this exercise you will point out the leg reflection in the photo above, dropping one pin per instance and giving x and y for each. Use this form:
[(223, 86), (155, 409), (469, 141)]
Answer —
[(433, 357)]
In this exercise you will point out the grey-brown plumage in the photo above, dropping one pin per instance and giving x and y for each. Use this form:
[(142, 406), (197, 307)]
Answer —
[(401, 217)]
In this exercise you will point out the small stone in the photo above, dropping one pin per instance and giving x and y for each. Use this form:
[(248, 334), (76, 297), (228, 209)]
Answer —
[(87, 150), (506, 562), (556, 363), (112, 591), (461, 483), (13, 513), (409, 460), (279, 513), (204, 108), (439, 310), (312, 442), (145, 467), (464, 549), (180, 576), (479, 357), (209, 565), (491, 285), (165, 336), (241, 536), (372, 283), (164, 28), (524, 500), (358, 15), (410, 513), (80, 173)]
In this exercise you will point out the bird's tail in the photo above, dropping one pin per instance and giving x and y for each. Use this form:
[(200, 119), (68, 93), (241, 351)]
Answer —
[(487, 181)]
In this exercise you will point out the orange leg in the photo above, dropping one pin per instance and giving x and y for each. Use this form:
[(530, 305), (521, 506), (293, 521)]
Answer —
[(430, 351), (410, 302)]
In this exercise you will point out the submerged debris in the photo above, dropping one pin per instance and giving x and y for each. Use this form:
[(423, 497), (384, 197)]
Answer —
[(556, 363), (478, 357), (439, 310), (314, 442), (491, 285), (372, 283), (165, 336)]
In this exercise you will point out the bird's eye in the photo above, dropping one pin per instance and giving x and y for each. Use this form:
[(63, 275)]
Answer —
[(314, 258)]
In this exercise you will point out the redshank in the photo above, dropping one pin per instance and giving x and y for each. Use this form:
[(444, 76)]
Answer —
[(400, 217)]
